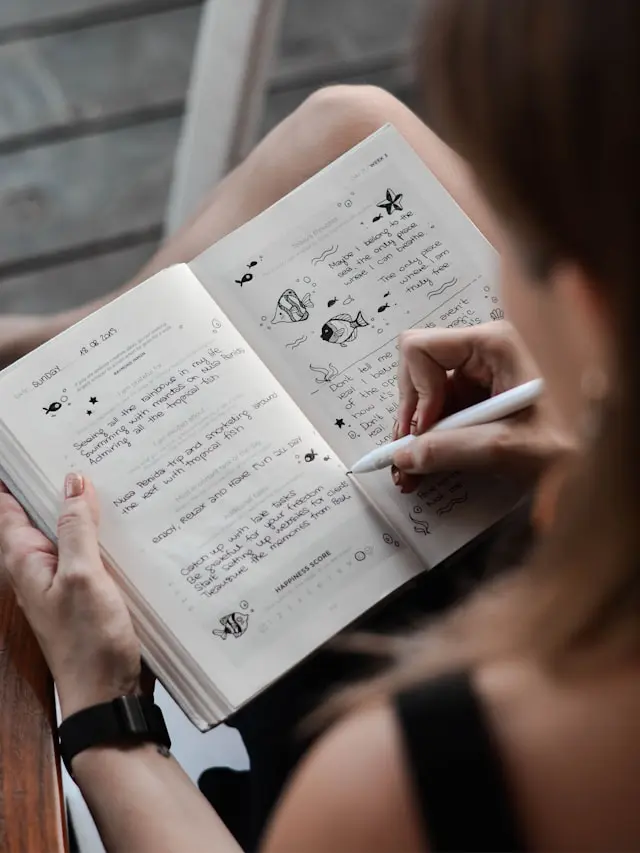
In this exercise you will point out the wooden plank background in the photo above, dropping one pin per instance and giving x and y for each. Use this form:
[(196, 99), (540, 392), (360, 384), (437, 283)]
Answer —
[(31, 17), (91, 98), (28, 769), (117, 72)]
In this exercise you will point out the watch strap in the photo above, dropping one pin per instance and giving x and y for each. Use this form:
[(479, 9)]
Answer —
[(127, 720)]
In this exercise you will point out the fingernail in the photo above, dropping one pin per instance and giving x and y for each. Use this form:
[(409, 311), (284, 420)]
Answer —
[(73, 485), (395, 475)]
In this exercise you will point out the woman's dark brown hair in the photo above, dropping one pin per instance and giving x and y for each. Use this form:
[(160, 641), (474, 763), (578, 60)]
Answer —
[(542, 97)]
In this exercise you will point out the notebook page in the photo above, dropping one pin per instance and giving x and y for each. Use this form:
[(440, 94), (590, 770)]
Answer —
[(323, 282), (220, 502)]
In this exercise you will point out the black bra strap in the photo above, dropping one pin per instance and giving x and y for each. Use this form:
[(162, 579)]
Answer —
[(456, 769)]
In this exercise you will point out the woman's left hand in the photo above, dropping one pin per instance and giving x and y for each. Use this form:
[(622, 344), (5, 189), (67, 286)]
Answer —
[(70, 600)]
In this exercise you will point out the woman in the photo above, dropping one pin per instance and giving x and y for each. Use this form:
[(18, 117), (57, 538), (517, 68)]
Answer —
[(513, 723)]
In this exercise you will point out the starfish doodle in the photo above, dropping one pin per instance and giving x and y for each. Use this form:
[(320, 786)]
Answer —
[(93, 400), (391, 202), (339, 423)]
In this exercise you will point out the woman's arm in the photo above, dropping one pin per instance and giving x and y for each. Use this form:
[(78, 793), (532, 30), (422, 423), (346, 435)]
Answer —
[(350, 795), (142, 801)]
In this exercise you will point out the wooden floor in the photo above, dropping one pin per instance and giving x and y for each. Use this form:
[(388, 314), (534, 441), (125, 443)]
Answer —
[(91, 98)]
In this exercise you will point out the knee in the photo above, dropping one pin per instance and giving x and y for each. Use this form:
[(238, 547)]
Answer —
[(343, 115)]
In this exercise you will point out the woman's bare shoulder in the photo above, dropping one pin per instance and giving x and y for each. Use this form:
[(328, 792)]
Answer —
[(570, 751), (352, 793)]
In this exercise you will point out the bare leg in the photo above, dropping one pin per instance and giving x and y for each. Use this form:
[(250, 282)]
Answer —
[(327, 124)]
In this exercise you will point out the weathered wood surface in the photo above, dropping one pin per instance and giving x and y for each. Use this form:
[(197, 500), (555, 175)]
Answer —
[(120, 71), (66, 285), (89, 122), (30, 17), (60, 198), (61, 84), (232, 59), (334, 39), (84, 191), (31, 813)]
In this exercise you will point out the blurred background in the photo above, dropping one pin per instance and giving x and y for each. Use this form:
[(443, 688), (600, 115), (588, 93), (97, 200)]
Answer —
[(92, 106)]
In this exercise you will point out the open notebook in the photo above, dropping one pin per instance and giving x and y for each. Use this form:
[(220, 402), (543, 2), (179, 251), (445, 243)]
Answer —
[(218, 406)]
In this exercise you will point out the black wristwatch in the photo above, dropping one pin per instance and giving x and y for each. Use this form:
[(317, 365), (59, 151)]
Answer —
[(125, 721)]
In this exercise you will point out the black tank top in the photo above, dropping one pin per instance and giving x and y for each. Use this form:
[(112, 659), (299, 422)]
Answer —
[(455, 769)]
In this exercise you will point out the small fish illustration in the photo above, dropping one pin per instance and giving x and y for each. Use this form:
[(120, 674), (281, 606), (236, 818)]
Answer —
[(252, 264), (233, 625), (246, 278), (388, 293), (383, 308), (332, 302), (52, 408), (292, 309), (310, 456), (377, 218), (342, 329)]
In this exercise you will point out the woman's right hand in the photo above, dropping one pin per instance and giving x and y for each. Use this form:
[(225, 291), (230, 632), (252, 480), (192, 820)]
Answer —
[(444, 370)]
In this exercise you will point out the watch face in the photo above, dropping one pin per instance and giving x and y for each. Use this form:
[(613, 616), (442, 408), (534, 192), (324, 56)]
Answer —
[(131, 714)]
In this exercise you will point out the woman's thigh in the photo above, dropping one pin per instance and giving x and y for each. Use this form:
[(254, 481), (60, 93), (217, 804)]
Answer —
[(326, 125)]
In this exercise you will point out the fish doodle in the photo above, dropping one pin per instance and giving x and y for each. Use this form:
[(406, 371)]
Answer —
[(310, 456), (233, 625), (52, 408), (388, 293), (292, 309), (342, 329), (383, 308), (246, 278), (332, 302)]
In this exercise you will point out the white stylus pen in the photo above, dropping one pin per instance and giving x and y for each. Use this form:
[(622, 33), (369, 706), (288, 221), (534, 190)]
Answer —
[(493, 409)]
